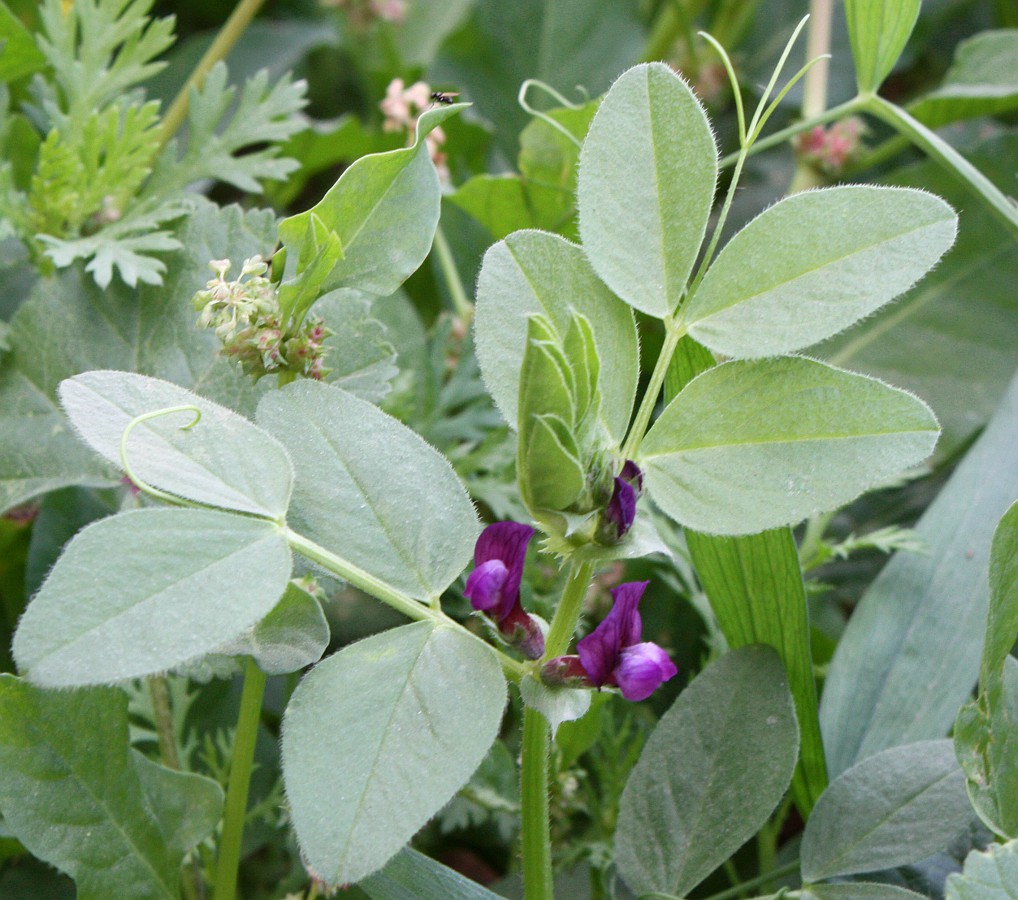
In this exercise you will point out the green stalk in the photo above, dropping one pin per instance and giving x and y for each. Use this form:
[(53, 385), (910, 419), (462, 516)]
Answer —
[(567, 614), (949, 158), (219, 49), (163, 721), (649, 399), (536, 828), (461, 303), (228, 863), (814, 91)]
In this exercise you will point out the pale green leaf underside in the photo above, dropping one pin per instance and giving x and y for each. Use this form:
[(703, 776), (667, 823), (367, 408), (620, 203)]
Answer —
[(147, 590), (556, 704), (753, 445), (987, 876), (535, 272), (384, 208), (371, 490), (813, 264), (378, 737), (646, 184), (224, 460), (711, 773), (896, 807), (79, 804), (878, 31)]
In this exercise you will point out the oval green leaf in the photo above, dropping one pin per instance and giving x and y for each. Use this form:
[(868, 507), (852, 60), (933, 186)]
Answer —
[(815, 263), (534, 272), (148, 590), (896, 807), (987, 876), (878, 31), (370, 490), (646, 185), (378, 737), (714, 769), (748, 446), (223, 460)]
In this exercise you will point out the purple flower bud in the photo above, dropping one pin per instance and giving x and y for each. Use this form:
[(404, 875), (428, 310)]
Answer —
[(612, 653), (494, 585), (621, 509)]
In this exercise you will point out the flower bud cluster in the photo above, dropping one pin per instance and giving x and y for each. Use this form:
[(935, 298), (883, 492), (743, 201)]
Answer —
[(246, 317), (831, 149)]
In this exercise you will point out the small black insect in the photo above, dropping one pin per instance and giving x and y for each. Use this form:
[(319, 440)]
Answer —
[(444, 96)]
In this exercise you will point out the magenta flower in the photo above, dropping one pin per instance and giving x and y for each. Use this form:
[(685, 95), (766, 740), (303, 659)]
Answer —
[(613, 655), (621, 509), (494, 585)]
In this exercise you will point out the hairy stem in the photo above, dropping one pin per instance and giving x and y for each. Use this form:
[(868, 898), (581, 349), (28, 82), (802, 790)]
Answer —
[(228, 35), (163, 716), (567, 614), (536, 828), (649, 400), (228, 863)]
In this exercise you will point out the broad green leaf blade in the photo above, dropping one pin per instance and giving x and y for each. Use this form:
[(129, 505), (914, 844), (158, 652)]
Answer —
[(859, 890), (360, 357), (1002, 617), (79, 804), (709, 776), (223, 460), (878, 31), (883, 663), (19, 56), (982, 81), (410, 874), (377, 738), (966, 301), (534, 272), (188, 806), (753, 445), (384, 208), (647, 174), (147, 590), (68, 326), (815, 263), (896, 807), (987, 876), (293, 635), (370, 490), (755, 588)]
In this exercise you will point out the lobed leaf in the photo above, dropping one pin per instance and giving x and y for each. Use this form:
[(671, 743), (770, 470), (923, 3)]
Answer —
[(815, 263), (712, 772), (646, 185), (752, 445), (378, 737), (147, 590)]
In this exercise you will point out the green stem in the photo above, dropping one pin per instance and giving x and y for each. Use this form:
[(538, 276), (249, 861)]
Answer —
[(460, 301), (411, 608), (241, 763), (567, 614), (536, 828), (786, 869), (943, 153), (779, 137), (219, 49), (163, 721), (814, 91), (649, 399)]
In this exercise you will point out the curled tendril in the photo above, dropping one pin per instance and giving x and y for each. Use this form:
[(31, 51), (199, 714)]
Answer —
[(544, 117), (144, 417)]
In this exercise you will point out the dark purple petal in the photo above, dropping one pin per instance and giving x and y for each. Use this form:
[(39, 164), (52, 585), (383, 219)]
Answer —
[(505, 542), (485, 584), (621, 510), (600, 650), (632, 474), (641, 670)]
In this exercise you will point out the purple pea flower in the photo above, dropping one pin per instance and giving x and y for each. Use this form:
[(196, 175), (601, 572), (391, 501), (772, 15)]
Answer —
[(613, 655), (621, 509), (494, 585)]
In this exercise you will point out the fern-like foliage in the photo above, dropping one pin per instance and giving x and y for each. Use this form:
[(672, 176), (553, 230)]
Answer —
[(105, 187)]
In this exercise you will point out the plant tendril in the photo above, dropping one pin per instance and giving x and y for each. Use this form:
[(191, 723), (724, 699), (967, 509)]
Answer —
[(138, 482), (544, 117)]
